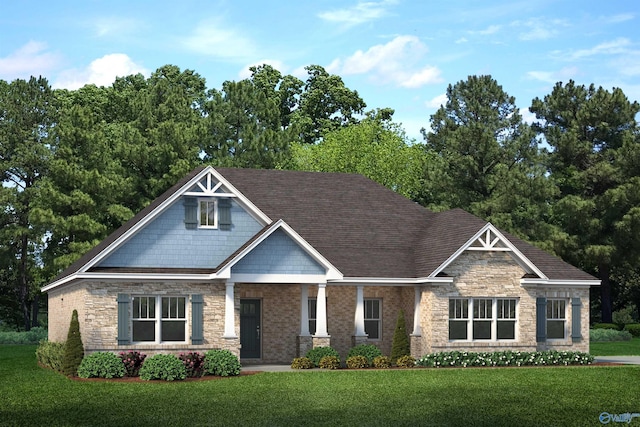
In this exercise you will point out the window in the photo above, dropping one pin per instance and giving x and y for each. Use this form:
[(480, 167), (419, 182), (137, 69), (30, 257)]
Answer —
[(492, 319), (556, 318), (207, 212), (313, 314), (458, 318), (171, 326), (372, 321)]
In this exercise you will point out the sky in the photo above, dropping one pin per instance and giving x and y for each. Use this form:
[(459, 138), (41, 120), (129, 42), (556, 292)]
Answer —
[(399, 54)]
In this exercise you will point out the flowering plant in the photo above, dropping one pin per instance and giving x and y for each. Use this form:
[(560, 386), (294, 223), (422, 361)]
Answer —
[(132, 361), (193, 363)]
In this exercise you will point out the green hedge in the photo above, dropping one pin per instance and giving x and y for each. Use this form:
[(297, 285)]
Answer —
[(606, 326), (221, 363), (369, 351), (633, 329), (50, 354), (317, 353), (604, 335), (102, 364), (163, 367), (33, 336)]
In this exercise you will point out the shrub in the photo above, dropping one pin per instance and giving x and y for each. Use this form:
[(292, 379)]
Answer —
[(602, 335), (624, 315), (633, 329), (382, 362), (221, 363), (301, 363), (317, 353), (369, 351), (194, 363), (132, 362), (357, 362), (463, 359), (406, 362), (163, 367), (605, 326), (400, 346), (101, 365), (73, 349), (50, 354), (329, 362), (32, 336)]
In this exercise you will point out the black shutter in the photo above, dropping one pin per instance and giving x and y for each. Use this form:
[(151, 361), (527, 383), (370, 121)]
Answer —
[(224, 214), (197, 323), (123, 319), (541, 319), (191, 212), (576, 330)]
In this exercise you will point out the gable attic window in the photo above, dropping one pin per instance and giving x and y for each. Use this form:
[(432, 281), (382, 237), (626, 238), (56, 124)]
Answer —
[(208, 213)]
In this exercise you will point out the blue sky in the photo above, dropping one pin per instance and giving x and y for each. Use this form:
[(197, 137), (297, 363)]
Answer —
[(396, 53)]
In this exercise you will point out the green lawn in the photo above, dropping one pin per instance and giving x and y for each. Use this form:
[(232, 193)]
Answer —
[(561, 396), (616, 348)]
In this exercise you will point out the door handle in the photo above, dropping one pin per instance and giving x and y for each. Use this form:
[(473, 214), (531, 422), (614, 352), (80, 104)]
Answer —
[(258, 331)]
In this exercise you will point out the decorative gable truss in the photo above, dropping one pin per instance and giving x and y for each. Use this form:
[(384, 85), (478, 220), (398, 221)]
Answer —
[(489, 238)]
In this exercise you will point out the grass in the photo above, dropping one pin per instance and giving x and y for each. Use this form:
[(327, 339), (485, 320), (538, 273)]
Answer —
[(30, 395), (616, 348)]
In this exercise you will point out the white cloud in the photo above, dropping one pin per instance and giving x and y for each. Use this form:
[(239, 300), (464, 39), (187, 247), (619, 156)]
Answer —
[(492, 29), (539, 28), (32, 59), (391, 63), (621, 17), (101, 72), (437, 102), (362, 12), (211, 38), (115, 26), (245, 73), (614, 47), (461, 40), (527, 116), (564, 74)]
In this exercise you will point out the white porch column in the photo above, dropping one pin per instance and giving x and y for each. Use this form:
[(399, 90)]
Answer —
[(304, 310), (229, 313), (359, 319), (417, 330), (321, 315)]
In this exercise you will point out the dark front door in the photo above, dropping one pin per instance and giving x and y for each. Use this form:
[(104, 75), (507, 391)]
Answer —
[(250, 329)]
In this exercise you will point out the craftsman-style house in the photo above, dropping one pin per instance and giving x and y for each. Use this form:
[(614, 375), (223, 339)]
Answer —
[(270, 263)]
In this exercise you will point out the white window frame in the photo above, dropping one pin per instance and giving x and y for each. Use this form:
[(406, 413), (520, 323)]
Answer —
[(472, 310), (368, 316), (558, 314), (159, 318), (208, 201)]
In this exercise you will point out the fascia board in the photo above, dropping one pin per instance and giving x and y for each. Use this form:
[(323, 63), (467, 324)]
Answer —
[(332, 272), (392, 281), (243, 200), (517, 255), (560, 283)]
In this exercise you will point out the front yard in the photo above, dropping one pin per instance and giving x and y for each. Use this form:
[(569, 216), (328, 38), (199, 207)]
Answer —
[(30, 395), (616, 348)]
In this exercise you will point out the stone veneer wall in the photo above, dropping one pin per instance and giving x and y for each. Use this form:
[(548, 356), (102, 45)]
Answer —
[(494, 275), (97, 307), (480, 274)]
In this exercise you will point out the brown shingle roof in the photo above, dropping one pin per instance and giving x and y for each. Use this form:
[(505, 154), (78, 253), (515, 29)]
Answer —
[(361, 227)]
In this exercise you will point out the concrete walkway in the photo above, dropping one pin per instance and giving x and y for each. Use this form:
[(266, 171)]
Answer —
[(627, 360)]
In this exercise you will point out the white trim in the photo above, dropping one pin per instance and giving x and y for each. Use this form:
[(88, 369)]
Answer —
[(524, 262), (332, 273), (559, 283), (309, 279), (392, 281)]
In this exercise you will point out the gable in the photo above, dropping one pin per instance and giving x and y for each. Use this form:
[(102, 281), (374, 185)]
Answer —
[(278, 254), (166, 242)]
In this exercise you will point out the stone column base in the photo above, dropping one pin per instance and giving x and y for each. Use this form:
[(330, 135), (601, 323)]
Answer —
[(321, 341), (304, 344), (359, 339), (415, 342), (231, 344)]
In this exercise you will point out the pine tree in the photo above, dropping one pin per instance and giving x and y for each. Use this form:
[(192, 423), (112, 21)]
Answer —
[(73, 348), (400, 346)]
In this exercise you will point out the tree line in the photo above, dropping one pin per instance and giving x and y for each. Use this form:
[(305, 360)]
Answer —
[(75, 165)]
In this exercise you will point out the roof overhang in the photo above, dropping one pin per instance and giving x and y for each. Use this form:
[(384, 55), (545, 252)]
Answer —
[(392, 281), (559, 283)]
